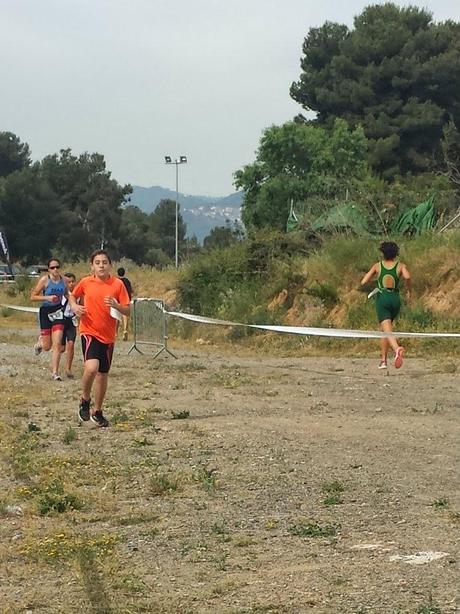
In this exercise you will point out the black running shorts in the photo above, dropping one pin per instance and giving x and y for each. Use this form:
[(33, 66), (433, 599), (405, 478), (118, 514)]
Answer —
[(70, 331), (51, 318), (95, 349)]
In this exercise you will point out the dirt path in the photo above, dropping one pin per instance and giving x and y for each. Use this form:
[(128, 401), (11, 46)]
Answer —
[(231, 484)]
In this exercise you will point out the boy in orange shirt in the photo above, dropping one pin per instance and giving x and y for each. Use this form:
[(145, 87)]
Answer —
[(103, 298)]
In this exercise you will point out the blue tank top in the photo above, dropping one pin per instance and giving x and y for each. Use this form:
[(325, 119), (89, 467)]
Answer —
[(54, 287)]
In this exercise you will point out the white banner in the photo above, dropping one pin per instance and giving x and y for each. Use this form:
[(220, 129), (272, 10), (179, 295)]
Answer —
[(18, 308), (318, 332), (294, 330)]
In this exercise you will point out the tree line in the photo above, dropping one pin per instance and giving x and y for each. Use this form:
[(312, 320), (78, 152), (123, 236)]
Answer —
[(385, 133), (384, 137), (70, 205)]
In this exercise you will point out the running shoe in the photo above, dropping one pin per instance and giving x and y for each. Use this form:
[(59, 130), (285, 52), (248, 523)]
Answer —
[(399, 357), (70, 376), (125, 336), (83, 410), (38, 349), (57, 377), (99, 419), (383, 364)]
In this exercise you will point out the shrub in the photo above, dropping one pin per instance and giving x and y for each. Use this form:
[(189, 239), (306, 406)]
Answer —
[(238, 281), (55, 499)]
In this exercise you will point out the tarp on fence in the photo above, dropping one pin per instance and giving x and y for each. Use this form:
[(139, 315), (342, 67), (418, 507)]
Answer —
[(416, 220), (342, 217)]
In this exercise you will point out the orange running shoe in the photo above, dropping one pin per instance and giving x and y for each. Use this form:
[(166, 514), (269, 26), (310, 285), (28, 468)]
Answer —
[(399, 357)]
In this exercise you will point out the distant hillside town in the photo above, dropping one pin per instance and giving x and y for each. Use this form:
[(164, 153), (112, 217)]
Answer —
[(200, 213)]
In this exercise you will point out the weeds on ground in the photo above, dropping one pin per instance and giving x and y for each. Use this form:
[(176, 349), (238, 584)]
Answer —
[(180, 415), (145, 417), (221, 561), (223, 587), (304, 528), (56, 500), (333, 500), (131, 585), (333, 490), (207, 478), (23, 453), (143, 441), (64, 545), (163, 484), (135, 519), (220, 529), (119, 418), (243, 541), (441, 503), (188, 367), (230, 380), (69, 436), (429, 608)]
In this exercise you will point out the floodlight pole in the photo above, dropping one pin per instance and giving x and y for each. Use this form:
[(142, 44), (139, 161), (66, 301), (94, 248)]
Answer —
[(177, 161)]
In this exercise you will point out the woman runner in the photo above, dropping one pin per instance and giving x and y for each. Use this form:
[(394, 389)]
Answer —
[(389, 272), (50, 289)]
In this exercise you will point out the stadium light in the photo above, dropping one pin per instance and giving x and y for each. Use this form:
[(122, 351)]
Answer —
[(177, 161)]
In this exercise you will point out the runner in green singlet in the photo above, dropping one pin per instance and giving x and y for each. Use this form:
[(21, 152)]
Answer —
[(388, 303)]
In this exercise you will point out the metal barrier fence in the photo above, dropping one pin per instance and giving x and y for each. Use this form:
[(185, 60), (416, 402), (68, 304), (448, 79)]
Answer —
[(149, 326)]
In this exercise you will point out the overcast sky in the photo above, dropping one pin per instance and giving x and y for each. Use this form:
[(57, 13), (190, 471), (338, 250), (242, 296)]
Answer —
[(136, 80)]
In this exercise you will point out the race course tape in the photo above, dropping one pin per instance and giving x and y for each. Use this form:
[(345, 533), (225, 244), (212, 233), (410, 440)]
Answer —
[(296, 330), (306, 330), (18, 308)]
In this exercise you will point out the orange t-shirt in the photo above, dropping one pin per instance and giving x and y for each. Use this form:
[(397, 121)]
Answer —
[(97, 320)]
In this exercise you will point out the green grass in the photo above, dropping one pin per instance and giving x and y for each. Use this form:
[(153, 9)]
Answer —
[(312, 529), (228, 379), (69, 436), (429, 608), (136, 519), (221, 530), (333, 487), (180, 415), (56, 500), (333, 500), (441, 503), (163, 484), (207, 478)]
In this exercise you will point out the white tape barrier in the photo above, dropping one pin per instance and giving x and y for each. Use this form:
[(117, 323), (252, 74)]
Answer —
[(18, 308), (295, 330), (305, 330)]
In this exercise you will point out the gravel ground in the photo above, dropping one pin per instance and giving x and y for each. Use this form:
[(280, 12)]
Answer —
[(302, 484)]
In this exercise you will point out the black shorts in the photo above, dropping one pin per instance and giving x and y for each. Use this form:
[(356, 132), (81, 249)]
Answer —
[(70, 331), (51, 318), (95, 349)]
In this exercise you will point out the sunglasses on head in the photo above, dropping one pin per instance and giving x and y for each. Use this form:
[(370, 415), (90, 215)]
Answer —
[(56, 266)]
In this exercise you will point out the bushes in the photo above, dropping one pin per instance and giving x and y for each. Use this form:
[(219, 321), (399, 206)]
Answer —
[(207, 280), (258, 280), (227, 282)]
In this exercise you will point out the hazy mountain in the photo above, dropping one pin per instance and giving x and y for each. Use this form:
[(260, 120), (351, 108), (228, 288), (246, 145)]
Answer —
[(200, 213)]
